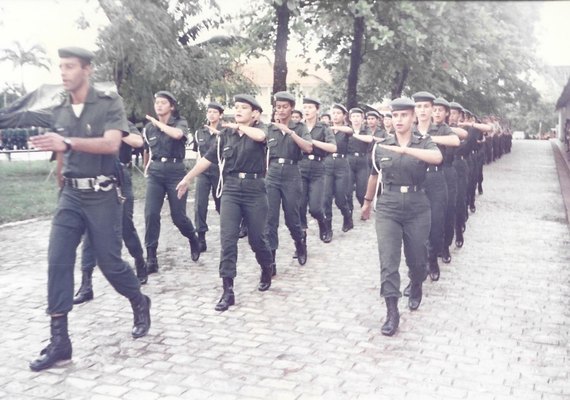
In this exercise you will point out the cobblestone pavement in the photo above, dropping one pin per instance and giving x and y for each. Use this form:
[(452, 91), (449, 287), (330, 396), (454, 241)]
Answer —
[(494, 327)]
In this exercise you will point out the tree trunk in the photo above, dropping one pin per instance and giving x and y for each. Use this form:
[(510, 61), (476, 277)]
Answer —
[(355, 61), (399, 81), (280, 65)]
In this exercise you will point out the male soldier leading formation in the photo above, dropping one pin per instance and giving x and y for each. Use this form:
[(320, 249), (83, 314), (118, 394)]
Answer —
[(87, 128)]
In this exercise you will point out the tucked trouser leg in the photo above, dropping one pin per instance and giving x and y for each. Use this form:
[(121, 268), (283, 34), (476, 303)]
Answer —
[(130, 235), (362, 174), (230, 219), (416, 230), (329, 188), (274, 196), (304, 200), (316, 196), (255, 209), (436, 191), (341, 180), (389, 232), (291, 193), (178, 206), (154, 199)]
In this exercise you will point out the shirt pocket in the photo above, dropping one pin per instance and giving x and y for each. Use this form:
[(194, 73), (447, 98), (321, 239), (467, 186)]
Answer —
[(227, 152)]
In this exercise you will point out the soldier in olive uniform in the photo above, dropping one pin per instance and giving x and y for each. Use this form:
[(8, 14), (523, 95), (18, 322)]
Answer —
[(357, 154), (86, 135), (130, 235), (388, 123), (336, 173), (207, 182), (435, 183), (241, 154), (403, 209), (165, 152), (286, 141), (312, 166)]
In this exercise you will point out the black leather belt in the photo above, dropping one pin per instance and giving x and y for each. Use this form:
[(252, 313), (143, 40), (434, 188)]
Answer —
[(312, 157), (474, 151), (246, 175), (461, 157), (100, 182), (402, 188), (434, 168), (356, 154), (285, 161), (167, 159), (338, 155)]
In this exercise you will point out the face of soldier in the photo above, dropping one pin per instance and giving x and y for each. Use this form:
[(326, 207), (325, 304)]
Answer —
[(388, 123), (439, 114), (244, 113), (283, 110), (372, 122), (162, 106), (454, 116), (73, 75), (213, 115), (424, 111), (403, 121), (310, 110), (296, 117), (356, 119), (325, 119), (337, 116)]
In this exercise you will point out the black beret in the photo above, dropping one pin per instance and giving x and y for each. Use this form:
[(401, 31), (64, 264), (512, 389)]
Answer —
[(166, 94), (388, 114), (440, 101), (402, 103), (455, 106), (374, 113), (356, 110), (83, 54), (310, 100), (284, 96), (423, 96), (216, 106), (340, 107), (249, 99)]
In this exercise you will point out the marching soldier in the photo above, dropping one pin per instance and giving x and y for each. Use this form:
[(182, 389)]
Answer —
[(403, 209), (164, 159), (286, 140), (207, 182), (241, 154), (357, 153), (86, 135)]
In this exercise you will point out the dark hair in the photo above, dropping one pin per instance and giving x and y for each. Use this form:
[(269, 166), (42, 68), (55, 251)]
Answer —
[(297, 112)]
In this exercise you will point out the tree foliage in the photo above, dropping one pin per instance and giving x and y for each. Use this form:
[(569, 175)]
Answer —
[(21, 56), (153, 45)]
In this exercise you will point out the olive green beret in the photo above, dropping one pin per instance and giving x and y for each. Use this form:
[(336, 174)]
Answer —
[(356, 110), (216, 106), (249, 99), (340, 107), (440, 101), (166, 94), (455, 106), (284, 96), (423, 96), (310, 100), (388, 114), (81, 53), (374, 113), (403, 103)]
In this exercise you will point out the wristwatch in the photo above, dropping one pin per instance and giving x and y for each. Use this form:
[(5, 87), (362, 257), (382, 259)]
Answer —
[(67, 142)]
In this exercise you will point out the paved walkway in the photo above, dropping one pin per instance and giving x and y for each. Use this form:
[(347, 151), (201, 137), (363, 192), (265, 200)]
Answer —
[(496, 325)]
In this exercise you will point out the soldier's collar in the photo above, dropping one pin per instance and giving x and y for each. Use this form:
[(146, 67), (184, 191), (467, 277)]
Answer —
[(91, 95)]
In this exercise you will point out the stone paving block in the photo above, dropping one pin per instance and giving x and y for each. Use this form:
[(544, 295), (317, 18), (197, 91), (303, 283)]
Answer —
[(111, 390)]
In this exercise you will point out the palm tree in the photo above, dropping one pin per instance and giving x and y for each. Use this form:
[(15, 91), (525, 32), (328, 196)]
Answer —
[(20, 56)]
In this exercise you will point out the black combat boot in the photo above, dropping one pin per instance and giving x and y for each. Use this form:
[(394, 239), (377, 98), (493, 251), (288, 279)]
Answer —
[(228, 298), (141, 315), (433, 269), (392, 317), (407, 289), (142, 273), (415, 296), (329, 233), (59, 347), (242, 230), (347, 223), (445, 255), (194, 247), (265, 278), (480, 189), (322, 229), (459, 237), (85, 292), (301, 247), (202, 240), (151, 260)]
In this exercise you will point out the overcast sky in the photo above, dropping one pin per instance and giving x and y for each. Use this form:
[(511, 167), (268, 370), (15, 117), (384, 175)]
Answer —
[(52, 23)]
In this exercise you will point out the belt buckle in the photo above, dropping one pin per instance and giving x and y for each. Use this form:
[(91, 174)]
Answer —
[(404, 189), (241, 175), (311, 157), (281, 160), (163, 159), (357, 154)]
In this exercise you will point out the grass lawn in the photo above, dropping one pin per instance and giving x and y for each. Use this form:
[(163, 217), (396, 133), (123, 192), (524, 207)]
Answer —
[(26, 192)]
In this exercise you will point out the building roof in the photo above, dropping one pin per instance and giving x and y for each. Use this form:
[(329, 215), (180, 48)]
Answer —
[(564, 98)]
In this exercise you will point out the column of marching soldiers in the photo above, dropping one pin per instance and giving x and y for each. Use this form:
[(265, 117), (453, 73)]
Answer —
[(305, 160)]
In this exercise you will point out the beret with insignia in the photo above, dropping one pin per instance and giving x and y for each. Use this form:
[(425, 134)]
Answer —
[(284, 96), (402, 103)]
